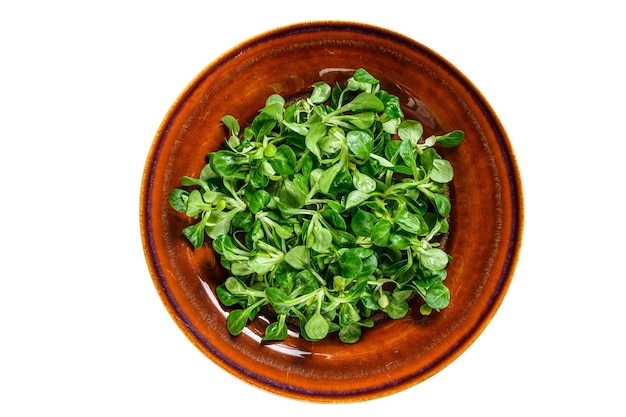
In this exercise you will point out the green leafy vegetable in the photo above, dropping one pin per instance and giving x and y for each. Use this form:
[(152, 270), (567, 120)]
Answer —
[(324, 211)]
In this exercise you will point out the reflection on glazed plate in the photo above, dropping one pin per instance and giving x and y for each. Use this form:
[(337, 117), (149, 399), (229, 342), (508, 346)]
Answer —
[(485, 224)]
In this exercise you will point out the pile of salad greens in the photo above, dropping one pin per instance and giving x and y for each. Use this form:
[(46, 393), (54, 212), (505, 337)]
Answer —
[(324, 212)]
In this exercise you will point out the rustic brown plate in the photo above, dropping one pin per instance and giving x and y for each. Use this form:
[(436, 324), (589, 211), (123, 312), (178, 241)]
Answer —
[(486, 221)]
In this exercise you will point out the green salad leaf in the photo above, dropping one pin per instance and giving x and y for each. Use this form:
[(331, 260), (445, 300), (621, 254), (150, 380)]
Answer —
[(325, 211)]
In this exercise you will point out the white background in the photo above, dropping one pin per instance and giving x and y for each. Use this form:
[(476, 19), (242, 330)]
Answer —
[(83, 89)]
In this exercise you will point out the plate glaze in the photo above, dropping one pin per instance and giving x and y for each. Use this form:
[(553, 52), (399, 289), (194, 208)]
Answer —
[(485, 223)]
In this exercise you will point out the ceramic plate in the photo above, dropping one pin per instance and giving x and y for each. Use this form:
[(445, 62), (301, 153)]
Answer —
[(486, 220)]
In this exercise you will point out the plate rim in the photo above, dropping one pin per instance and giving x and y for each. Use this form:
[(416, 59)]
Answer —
[(178, 314)]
